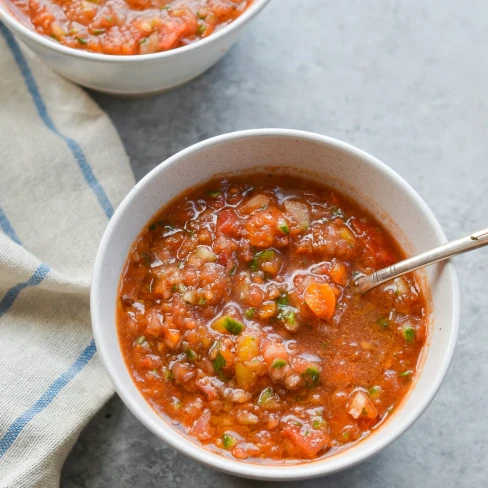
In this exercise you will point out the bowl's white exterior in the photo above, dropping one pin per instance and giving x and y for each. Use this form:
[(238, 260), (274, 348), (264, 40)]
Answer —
[(341, 166), (132, 75)]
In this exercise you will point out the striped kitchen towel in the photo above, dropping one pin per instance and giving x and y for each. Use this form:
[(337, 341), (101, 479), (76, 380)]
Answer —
[(63, 170)]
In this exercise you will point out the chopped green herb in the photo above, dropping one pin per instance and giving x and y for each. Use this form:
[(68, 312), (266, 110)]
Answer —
[(382, 322), (318, 422), (190, 354), (408, 333), (311, 377), (284, 228), (109, 19), (283, 299), (152, 227), (201, 16), (249, 313), (474, 238), (374, 391), (290, 317), (54, 37), (180, 265), (167, 374), (265, 255), (298, 424), (166, 7), (345, 435), (337, 213), (174, 287), (98, 32), (226, 323), (218, 364), (279, 363), (253, 265), (202, 302), (191, 233), (406, 373), (233, 269), (265, 395), (229, 441), (233, 326), (141, 340), (213, 194), (81, 40)]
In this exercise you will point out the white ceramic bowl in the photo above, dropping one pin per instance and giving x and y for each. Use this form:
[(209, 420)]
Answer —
[(132, 75), (340, 166)]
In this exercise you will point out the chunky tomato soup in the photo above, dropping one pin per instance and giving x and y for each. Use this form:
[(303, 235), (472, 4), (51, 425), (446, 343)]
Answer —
[(239, 319), (127, 26)]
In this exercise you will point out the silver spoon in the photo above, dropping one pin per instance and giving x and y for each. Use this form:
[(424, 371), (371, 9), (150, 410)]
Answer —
[(468, 243)]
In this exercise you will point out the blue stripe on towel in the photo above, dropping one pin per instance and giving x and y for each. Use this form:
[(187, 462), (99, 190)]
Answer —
[(7, 228), (15, 429), (47, 397), (75, 148), (9, 298)]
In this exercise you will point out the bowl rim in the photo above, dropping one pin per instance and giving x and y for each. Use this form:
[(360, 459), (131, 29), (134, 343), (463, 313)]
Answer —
[(18, 27), (305, 470)]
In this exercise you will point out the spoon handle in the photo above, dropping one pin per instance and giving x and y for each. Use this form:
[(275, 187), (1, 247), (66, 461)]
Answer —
[(464, 244)]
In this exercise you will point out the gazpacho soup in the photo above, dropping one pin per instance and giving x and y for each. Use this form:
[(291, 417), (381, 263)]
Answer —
[(126, 26), (239, 319)]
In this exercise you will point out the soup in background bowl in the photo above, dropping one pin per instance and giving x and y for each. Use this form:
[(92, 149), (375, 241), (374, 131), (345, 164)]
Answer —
[(116, 48), (126, 27), (306, 306)]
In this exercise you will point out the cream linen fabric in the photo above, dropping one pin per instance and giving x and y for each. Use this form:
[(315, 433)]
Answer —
[(63, 170)]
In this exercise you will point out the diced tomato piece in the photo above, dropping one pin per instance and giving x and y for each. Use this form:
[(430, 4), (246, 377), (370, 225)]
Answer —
[(262, 227), (308, 441), (202, 428), (321, 299), (228, 223), (272, 351), (222, 259), (154, 327), (172, 338), (150, 362)]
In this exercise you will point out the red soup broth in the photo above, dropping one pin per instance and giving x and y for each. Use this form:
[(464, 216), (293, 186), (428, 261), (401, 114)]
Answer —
[(239, 319), (127, 26)]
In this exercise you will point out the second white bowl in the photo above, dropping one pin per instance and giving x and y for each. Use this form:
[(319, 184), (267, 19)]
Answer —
[(133, 75)]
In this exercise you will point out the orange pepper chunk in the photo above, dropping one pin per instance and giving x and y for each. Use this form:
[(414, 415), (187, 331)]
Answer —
[(321, 299)]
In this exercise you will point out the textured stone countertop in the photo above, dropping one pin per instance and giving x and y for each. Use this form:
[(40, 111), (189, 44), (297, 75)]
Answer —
[(405, 81)]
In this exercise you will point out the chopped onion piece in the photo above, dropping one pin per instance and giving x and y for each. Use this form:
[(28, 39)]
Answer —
[(299, 212), (257, 201), (190, 297), (205, 254), (401, 286)]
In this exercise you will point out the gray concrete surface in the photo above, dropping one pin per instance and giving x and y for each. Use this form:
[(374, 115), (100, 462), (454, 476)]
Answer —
[(406, 81)]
